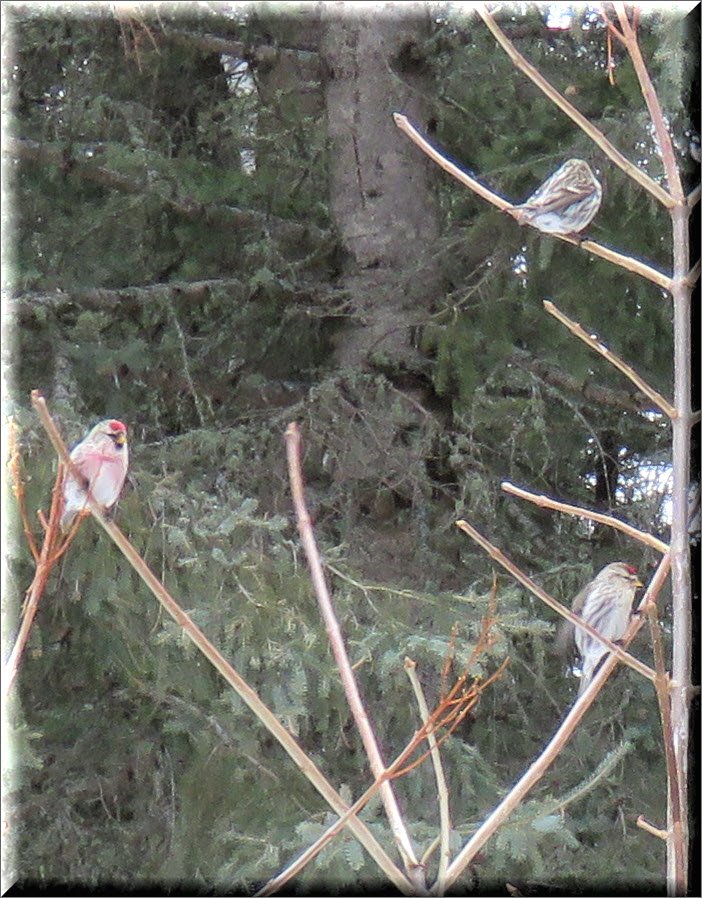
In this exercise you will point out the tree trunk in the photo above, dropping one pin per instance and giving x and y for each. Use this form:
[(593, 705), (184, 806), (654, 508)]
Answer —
[(380, 192)]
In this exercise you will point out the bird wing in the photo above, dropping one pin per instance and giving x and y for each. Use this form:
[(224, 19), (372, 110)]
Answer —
[(565, 634)]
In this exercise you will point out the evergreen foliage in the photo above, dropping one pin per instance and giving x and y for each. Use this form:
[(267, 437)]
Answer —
[(163, 278)]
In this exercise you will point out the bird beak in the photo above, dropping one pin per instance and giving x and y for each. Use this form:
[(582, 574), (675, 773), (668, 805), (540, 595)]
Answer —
[(120, 439), (638, 584)]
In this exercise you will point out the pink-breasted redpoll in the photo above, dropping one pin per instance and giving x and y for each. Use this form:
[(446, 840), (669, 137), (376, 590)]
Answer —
[(101, 459), (605, 603), (566, 203)]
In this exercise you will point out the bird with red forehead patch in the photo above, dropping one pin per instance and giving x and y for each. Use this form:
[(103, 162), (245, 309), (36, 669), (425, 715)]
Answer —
[(605, 603), (101, 460)]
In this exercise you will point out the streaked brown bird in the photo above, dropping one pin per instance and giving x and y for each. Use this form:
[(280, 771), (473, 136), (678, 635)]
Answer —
[(605, 603), (565, 203)]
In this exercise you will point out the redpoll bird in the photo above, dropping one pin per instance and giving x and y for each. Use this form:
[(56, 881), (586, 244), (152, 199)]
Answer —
[(564, 204), (101, 459), (605, 603)]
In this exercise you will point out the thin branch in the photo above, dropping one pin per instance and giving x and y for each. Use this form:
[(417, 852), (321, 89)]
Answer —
[(441, 787), (14, 469), (540, 593), (437, 719), (246, 693), (606, 519), (277, 882), (44, 566), (103, 299), (186, 364), (693, 275), (663, 695), (593, 394), (353, 695), (654, 107), (653, 830), (592, 132), (677, 843), (627, 262), (612, 358), (517, 794)]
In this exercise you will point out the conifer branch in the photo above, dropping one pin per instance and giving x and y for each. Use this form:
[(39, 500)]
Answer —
[(660, 401), (189, 208), (539, 767), (579, 512), (627, 262), (240, 686)]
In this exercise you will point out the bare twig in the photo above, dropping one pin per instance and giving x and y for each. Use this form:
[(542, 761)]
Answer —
[(439, 718), (14, 469), (353, 696), (653, 830), (693, 275), (627, 262), (441, 788), (677, 843), (186, 364), (44, 566), (540, 593), (277, 882), (654, 108), (517, 794), (663, 696), (592, 132), (612, 358), (246, 693), (610, 521)]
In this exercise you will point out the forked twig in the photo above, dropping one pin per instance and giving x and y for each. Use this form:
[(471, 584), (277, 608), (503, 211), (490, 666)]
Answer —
[(437, 719), (540, 593), (44, 566), (628, 37), (603, 252), (607, 519), (613, 359)]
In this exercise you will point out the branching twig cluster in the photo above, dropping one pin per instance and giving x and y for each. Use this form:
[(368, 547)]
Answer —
[(674, 694)]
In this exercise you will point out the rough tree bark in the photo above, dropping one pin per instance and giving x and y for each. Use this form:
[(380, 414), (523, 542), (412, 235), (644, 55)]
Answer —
[(373, 66)]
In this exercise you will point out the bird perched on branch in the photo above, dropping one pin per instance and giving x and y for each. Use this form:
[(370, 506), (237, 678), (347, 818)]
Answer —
[(101, 459), (605, 603), (566, 203)]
